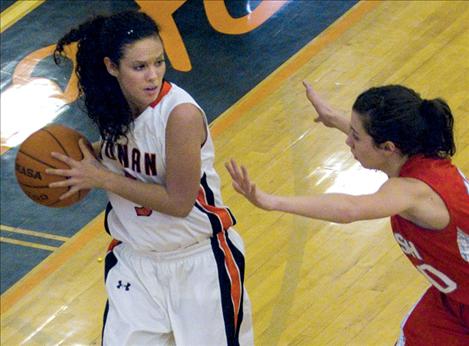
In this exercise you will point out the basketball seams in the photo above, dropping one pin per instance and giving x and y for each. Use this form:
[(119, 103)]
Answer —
[(57, 140), (36, 159), (35, 186), (61, 145)]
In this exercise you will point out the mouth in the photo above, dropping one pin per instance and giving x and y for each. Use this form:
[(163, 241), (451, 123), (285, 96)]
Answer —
[(151, 89)]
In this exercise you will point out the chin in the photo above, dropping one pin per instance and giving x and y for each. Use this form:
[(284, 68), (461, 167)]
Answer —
[(364, 165)]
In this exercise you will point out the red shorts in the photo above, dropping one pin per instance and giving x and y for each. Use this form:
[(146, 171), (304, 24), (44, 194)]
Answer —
[(436, 320)]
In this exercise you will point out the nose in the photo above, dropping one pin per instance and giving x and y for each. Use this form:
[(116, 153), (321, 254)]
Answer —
[(152, 73), (349, 141)]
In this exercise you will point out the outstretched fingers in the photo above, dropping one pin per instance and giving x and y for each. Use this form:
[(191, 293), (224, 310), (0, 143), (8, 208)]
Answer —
[(233, 169), (310, 94), (243, 185), (238, 175), (247, 185)]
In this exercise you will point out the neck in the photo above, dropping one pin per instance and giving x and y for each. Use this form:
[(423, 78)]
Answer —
[(135, 111), (394, 165)]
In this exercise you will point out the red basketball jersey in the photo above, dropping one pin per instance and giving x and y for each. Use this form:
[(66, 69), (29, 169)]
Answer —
[(441, 256)]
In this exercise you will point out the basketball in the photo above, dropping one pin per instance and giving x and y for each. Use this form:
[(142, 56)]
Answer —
[(34, 157)]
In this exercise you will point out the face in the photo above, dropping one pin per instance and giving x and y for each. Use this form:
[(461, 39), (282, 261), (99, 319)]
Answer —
[(140, 72), (362, 145)]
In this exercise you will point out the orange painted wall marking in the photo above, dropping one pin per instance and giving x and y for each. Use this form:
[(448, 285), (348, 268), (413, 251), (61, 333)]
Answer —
[(90, 232), (25, 68), (218, 17), (162, 12), (221, 20)]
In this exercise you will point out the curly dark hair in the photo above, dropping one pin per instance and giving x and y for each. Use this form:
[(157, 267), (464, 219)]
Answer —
[(416, 126), (99, 37)]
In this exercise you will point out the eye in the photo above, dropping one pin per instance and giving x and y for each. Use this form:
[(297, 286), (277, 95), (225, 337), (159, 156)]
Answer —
[(353, 134), (139, 67), (159, 62)]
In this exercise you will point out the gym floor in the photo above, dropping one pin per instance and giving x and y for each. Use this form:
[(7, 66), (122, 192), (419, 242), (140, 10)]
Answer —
[(311, 282)]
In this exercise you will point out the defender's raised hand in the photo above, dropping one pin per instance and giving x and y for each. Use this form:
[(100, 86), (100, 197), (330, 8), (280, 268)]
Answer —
[(326, 114)]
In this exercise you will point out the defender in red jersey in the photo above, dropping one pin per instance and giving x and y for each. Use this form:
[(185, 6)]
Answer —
[(394, 130)]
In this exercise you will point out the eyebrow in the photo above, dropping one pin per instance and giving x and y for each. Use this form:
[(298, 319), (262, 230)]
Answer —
[(144, 62)]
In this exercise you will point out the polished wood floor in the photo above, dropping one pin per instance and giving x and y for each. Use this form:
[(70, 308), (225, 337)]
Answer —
[(310, 282)]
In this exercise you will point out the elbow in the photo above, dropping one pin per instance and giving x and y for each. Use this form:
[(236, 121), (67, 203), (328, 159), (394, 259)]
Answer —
[(182, 213), (345, 220), (181, 210), (180, 204)]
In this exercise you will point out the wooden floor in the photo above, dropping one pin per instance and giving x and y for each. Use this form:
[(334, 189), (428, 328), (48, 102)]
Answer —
[(310, 282)]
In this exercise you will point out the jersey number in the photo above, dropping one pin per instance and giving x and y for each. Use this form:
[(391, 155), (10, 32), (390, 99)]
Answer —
[(444, 283), (142, 211)]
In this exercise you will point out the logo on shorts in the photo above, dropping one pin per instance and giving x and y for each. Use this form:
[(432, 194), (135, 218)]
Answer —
[(121, 285)]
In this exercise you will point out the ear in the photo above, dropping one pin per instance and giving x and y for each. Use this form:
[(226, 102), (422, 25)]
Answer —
[(111, 67), (389, 147)]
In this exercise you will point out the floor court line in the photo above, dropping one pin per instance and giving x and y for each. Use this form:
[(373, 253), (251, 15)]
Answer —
[(33, 233), (227, 119), (28, 244), (51, 263)]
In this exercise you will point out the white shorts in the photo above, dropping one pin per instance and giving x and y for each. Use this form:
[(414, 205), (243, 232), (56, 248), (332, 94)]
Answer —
[(190, 297)]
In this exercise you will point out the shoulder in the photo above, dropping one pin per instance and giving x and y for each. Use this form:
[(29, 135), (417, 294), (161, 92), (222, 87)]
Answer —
[(177, 97), (178, 92), (186, 112), (407, 186), (186, 125), (407, 193)]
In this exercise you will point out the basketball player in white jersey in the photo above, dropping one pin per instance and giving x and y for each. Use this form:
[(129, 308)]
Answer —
[(175, 269)]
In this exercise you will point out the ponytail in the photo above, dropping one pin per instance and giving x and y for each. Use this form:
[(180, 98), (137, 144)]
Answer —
[(87, 32), (438, 139)]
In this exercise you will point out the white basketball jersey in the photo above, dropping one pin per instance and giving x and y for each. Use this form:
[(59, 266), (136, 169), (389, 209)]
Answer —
[(142, 157)]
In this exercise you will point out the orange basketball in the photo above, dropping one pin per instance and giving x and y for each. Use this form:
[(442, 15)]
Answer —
[(34, 157)]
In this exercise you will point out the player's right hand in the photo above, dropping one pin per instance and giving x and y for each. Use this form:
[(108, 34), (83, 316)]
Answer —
[(86, 174), (244, 186)]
